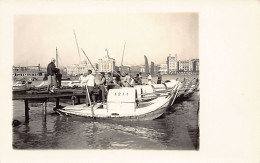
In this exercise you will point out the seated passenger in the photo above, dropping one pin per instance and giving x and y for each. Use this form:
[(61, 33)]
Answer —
[(102, 87), (110, 81), (138, 80), (127, 80)]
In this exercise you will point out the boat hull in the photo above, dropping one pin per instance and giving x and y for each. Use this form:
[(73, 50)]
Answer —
[(143, 117), (144, 111)]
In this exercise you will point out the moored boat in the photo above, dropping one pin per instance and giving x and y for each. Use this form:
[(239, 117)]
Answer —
[(124, 105)]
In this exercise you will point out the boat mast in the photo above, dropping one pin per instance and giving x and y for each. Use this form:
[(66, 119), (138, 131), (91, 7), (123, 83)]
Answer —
[(123, 55), (77, 44), (57, 57)]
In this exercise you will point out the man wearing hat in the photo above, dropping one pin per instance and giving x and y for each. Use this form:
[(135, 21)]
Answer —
[(51, 70)]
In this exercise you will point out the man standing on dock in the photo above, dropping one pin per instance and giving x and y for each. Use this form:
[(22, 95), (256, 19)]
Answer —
[(51, 70)]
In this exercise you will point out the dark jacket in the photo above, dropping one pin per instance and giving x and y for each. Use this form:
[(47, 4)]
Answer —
[(118, 78), (138, 80), (51, 69)]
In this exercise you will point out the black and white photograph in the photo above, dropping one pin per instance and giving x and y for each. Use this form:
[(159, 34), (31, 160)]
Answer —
[(129, 81), (106, 81)]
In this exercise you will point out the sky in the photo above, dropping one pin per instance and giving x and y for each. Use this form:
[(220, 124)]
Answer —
[(155, 35)]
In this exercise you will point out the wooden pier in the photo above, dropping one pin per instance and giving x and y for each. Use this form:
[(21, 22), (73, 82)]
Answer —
[(44, 98)]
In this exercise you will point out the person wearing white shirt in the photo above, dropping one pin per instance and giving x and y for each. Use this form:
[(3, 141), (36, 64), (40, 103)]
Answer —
[(82, 81), (149, 79), (90, 82)]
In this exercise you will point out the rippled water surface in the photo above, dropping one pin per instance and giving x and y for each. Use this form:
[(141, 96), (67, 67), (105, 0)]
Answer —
[(176, 129)]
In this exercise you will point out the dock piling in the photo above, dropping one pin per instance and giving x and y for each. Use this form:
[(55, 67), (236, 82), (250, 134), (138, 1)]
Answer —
[(57, 102), (26, 111), (44, 110)]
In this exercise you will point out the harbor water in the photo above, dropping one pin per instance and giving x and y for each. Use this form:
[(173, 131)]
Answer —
[(177, 129)]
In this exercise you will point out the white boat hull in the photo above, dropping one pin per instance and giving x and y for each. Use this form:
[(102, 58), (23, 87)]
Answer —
[(144, 111)]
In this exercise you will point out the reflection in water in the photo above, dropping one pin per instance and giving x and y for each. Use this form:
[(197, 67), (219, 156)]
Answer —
[(177, 129)]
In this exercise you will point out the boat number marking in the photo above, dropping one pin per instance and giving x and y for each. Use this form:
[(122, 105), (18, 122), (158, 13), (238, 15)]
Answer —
[(119, 94)]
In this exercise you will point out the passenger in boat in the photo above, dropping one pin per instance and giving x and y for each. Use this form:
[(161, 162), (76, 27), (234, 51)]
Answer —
[(137, 80), (102, 87), (140, 76), (149, 78), (110, 81), (118, 78), (127, 80), (58, 77), (90, 82), (159, 79), (51, 70), (82, 79)]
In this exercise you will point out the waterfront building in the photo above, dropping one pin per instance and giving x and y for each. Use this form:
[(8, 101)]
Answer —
[(142, 68), (135, 69), (195, 65), (156, 69), (172, 66), (28, 72), (152, 68), (163, 69), (107, 64), (81, 68), (124, 69), (185, 66)]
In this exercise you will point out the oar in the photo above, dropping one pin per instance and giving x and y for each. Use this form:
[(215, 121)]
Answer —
[(88, 95), (92, 110)]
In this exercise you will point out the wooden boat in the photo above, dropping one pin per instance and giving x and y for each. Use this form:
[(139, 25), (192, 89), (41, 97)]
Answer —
[(187, 88), (124, 105), (192, 87), (21, 87)]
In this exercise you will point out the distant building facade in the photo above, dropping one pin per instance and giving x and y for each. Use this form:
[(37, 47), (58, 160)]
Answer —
[(106, 64), (124, 69), (28, 72), (195, 65), (185, 66), (172, 66), (152, 68), (163, 68), (81, 68)]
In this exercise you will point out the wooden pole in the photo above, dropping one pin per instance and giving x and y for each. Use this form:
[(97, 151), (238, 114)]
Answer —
[(44, 110), (57, 102), (26, 111), (89, 61), (57, 63), (123, 55), (77, 44)]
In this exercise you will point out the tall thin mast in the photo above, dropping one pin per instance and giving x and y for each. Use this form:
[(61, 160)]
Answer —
[(57, 57), (123, 55), (77, 44)]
